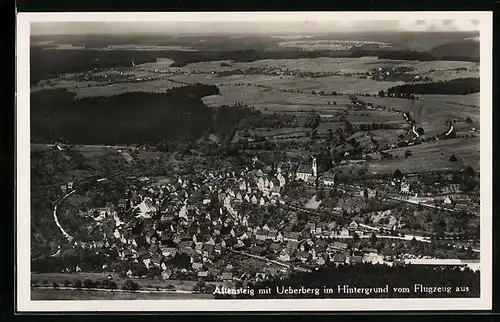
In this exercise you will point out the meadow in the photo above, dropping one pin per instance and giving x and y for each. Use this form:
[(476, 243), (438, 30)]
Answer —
[(429, 112), (382, 137), (236, 85), (431, 156), (446, 69), (94, 89), (274, 100), (471, 99), (62, 294)]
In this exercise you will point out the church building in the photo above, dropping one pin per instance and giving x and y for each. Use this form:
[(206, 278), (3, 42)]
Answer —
[(308, 172)]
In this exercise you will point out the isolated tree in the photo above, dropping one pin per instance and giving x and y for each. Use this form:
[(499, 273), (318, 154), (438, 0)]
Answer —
[(468, 120), (413, 241), (398, 174), (470, 252), (55, 285), (66, 283), (78, 284), (355, 237), (199, 286), (373, 239), (330, 135), (315, 122), (130, 285), (88, 283), (420, 131), (320, 194), (453, 158), (407, 153), (469, 171), (209, 288)]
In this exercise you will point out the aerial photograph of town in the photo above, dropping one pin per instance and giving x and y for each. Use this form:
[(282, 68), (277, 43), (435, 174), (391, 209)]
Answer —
[(250, 160)]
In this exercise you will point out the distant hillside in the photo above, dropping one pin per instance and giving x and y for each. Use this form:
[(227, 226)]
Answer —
[(45, 64), (460, 49)]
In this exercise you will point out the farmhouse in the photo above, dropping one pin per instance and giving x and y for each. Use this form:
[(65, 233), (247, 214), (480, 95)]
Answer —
[(227, 276), (405, 186), (328, 179), (448, 201)]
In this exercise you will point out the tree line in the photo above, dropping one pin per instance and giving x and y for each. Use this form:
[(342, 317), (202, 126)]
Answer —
[(458, 86), (129, 118)]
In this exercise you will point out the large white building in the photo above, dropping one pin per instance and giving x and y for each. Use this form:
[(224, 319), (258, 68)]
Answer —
[(328, 178), (405, 186)]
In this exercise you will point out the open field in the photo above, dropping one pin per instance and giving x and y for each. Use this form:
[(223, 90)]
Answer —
[(317, 44), (133, 47), (206, 72), (386, 117), (323, 127), (382, 137), (431, 156), (439, 69), (92, 150), (341, 84), (77, 199), (279, 134), (35, 147), (471, 99), (164, 64), (93, 89), (430, 113), (154, 86), (61, 294), (277, 101)]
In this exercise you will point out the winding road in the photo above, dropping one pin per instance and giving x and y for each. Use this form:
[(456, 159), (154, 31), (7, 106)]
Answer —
[(68, 236)]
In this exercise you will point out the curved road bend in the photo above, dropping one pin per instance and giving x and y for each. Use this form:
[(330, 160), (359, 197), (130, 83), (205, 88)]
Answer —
[(68, 236)]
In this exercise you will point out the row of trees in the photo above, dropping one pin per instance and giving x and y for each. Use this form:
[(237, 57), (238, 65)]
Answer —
[(458, 86), (128, 284)]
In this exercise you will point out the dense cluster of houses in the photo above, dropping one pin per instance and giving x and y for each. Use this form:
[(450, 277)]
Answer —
[(204, 216), (200, 216), (428, 190), (400, 73)]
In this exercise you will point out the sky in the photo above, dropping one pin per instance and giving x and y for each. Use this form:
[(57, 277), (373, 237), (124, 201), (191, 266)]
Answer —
[(262, 27)]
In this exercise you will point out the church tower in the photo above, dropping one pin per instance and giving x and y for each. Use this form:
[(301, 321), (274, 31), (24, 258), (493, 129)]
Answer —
[(314, 167)]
